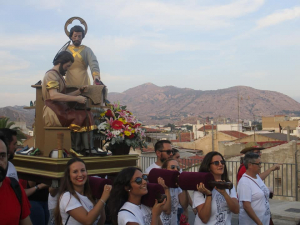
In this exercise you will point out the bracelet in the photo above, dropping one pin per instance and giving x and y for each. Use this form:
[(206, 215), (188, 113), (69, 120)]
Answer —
[(36, 188), (209, 195), (104, 203)]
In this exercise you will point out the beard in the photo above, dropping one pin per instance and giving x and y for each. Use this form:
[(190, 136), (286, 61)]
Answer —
[(76, 43), (162, 160), (10, 157), (3, 173), (61, 70)]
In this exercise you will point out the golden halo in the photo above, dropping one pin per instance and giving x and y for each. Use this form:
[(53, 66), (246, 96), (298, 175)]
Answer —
[(69, 21)]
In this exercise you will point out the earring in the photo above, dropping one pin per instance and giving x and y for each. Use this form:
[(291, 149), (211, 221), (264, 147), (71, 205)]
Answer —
[(129, 190)]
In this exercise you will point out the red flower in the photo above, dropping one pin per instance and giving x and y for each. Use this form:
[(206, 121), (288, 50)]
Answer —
[(131, 136), (137, 125), (117, 125), (109, 113)]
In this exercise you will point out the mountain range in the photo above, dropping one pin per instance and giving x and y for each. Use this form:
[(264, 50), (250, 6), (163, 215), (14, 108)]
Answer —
[(153, 104), (162, 105)]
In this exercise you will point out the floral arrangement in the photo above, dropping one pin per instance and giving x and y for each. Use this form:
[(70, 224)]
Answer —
[(120, 127)]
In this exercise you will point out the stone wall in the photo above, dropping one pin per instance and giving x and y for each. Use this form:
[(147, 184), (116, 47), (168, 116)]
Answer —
[(205, 143), (283, 181)]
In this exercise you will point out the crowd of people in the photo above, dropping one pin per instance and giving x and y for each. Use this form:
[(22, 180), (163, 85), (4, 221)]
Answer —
[(27, 202)]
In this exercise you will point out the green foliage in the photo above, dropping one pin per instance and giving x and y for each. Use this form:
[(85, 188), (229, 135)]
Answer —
[(171, 125), (5, 123)]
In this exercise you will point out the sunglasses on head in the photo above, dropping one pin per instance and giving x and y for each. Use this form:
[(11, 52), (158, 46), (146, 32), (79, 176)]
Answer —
[(139, 180), (168, 151), (218, 162), (175, 167)]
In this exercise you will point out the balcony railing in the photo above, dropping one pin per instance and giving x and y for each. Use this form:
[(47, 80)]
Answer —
[(283, 181)]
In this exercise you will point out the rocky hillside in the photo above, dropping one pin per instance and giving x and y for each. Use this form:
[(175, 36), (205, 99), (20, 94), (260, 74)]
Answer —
[(154, 104), (162, 105), (17, 113)]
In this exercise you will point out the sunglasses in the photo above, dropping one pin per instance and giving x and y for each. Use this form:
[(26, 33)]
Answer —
[(139, 180), (3, 155), (175, 167), (218, 162), (168, 151), (257, 163)]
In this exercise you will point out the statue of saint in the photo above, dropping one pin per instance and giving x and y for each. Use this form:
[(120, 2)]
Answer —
[(57, 113), (83, 56)]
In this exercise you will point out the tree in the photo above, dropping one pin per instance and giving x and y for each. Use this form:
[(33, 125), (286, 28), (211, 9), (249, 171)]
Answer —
[(171, 125), (5, 123)]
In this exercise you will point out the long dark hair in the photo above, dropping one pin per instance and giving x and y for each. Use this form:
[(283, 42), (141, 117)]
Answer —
[(205, 165), (119, 195), (166, 163), (66, 185)]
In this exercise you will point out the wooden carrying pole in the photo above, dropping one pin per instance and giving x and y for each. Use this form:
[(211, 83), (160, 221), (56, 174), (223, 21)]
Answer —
[(60, 144)]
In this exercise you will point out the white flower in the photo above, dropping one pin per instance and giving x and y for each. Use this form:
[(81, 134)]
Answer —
[(116, 132), (102, 126)]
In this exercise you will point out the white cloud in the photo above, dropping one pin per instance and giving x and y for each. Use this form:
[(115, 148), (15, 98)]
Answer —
[(279, 17), (11, 99), (33, 41), (187, 14), (256, 75), (22, 78), (46, 4), (10, 63)]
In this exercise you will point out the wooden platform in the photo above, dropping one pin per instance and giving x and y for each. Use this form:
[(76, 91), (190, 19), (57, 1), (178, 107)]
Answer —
[(45, 170)]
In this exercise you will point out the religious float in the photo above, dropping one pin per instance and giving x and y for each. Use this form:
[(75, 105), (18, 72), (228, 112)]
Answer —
[(49, 170)]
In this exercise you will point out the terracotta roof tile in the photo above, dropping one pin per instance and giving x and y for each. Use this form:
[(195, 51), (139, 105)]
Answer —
[(233, 133), (207, 127)]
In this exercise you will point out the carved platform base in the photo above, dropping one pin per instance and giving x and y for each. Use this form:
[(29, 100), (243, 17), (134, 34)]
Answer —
[(45, 170)]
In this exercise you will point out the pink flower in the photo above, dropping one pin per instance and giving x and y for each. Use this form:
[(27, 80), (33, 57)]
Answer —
[(109, 135), (123, 114)]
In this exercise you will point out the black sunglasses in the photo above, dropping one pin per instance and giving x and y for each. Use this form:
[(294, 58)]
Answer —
[(218, 162), (3, 155), (257, 163), (139, 180), (168, 151), (175, 167)]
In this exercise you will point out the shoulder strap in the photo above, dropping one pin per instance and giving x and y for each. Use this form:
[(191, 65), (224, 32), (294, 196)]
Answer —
[(253, 181), (67, 220), (17, 189), (127, 211)]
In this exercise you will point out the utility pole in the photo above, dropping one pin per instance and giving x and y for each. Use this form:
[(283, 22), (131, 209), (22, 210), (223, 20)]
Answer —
[(212, 135), (254, 127)]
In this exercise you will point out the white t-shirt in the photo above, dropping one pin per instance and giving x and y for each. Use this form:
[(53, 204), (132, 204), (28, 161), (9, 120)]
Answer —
[(141, 214), (256, 193), (52, 201), (220, 213), (172, 218), (152, 166), (68, 202), (11, 171)]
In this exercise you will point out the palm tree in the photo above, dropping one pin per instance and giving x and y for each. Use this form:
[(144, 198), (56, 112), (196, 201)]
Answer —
[(5, 123)]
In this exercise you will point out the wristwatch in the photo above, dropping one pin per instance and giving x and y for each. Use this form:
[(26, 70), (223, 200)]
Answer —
[(36, 188)]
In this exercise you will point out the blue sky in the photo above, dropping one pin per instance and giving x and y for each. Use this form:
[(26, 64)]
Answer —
[(203, 45)]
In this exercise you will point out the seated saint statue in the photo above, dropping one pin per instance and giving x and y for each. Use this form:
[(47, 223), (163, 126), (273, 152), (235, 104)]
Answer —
[(57, 113)]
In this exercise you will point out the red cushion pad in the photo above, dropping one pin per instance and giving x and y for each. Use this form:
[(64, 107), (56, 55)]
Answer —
[(170, 177), (189, 180), (97, 185), (154, 192)]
